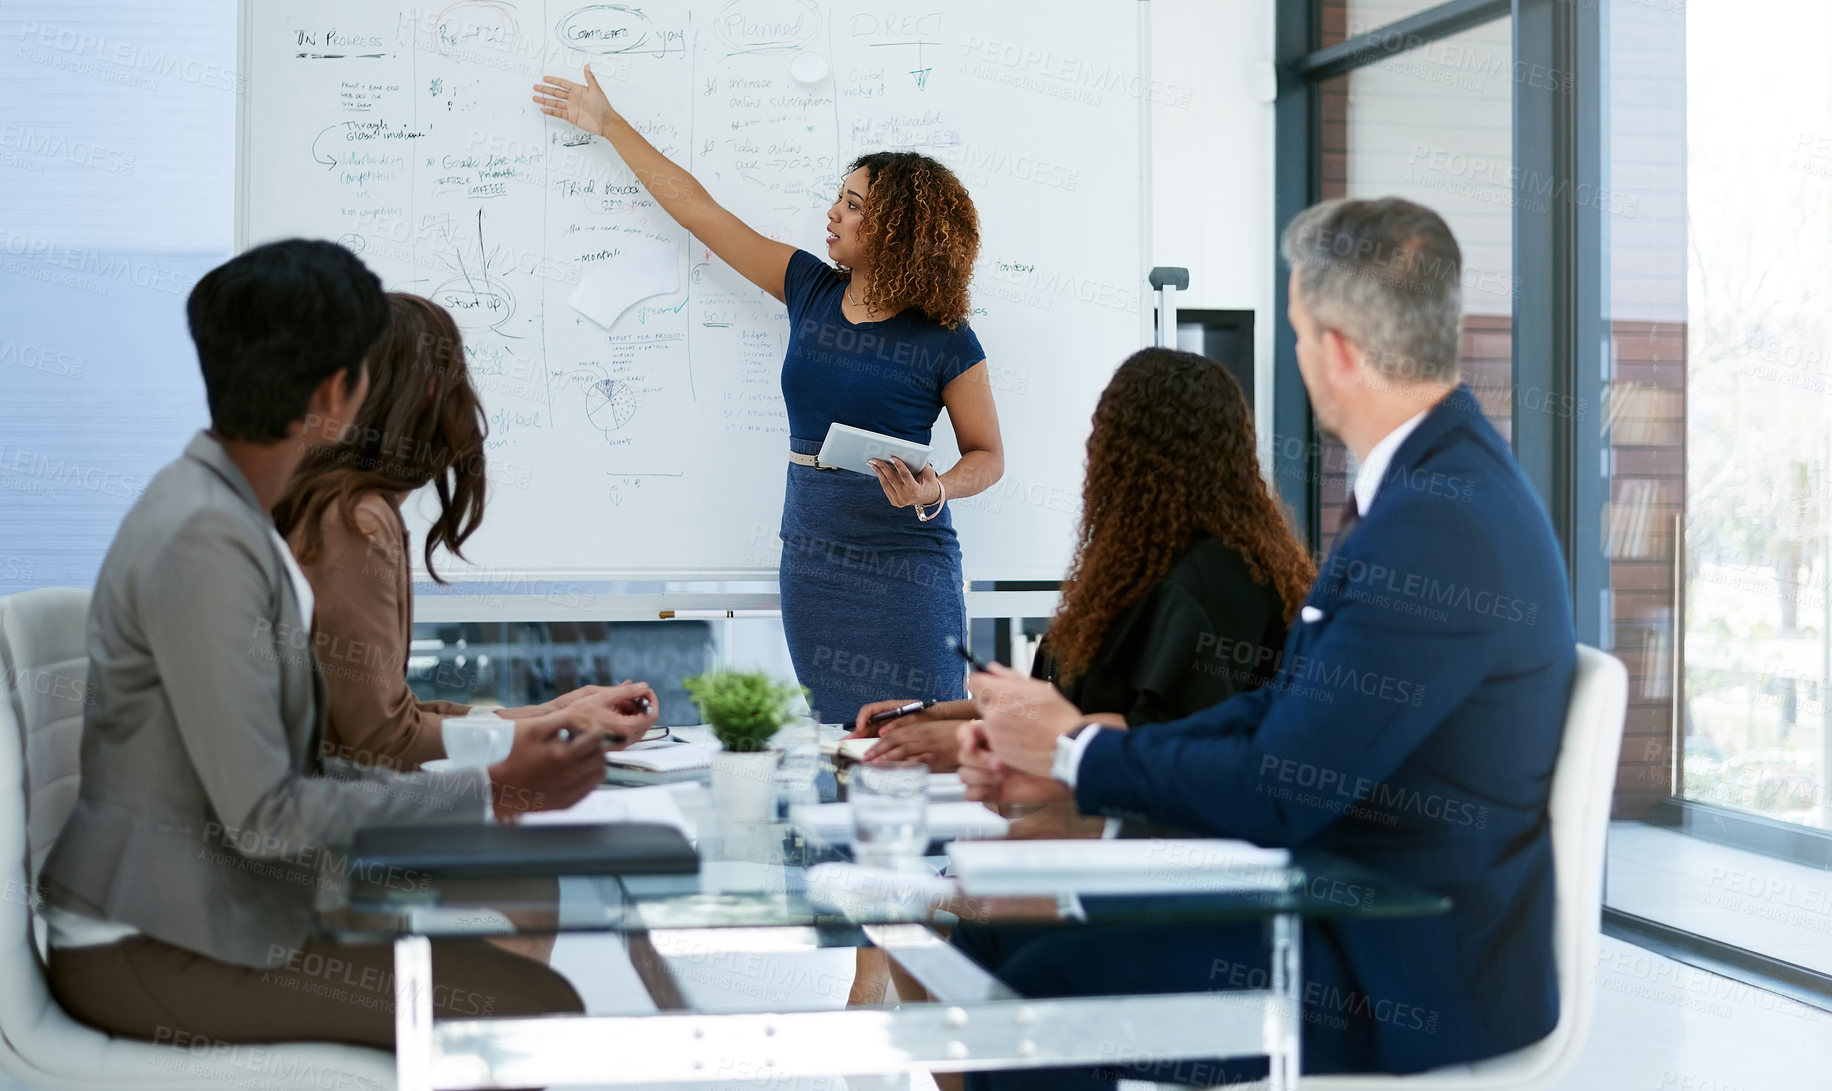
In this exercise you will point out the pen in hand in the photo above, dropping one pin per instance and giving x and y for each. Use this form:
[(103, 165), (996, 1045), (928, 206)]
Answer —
[(954, 642), (613, 739), (900, 711)]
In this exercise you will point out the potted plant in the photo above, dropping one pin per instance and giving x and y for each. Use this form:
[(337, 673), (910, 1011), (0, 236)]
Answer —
[(745, 710)]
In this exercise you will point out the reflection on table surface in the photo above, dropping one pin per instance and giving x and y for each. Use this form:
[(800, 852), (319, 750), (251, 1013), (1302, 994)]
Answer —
[(775, 874)]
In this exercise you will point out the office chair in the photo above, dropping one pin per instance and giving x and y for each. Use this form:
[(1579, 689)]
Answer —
[(1583, 782), (46, 667)]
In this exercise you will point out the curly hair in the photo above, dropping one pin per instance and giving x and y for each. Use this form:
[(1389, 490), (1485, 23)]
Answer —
[(920, 236), (421, 423), (1171, 460)]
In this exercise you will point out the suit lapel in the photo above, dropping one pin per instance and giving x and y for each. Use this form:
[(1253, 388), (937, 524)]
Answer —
[(304, 726)]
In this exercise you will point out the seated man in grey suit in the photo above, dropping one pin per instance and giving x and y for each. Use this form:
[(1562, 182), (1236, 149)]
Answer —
[(179, 896)]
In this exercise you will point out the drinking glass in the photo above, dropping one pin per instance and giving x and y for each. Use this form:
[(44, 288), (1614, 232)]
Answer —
[(890, 812)]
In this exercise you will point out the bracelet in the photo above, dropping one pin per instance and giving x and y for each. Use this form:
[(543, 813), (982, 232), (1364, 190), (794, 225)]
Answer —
[(943, 485)]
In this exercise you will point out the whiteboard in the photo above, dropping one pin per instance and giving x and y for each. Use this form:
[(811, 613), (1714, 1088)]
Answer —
[(654, 448)]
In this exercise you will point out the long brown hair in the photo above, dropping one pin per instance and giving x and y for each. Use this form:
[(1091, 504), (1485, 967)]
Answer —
[(920, 236), (1171, 460), (422, 423)]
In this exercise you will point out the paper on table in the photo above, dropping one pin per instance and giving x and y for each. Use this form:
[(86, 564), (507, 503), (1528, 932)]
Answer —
[(832, 822), (640, 271), (652, 744), (861, 893), (656, 804), (853, 749), (1155, 866), (667, 758), (946, 787)]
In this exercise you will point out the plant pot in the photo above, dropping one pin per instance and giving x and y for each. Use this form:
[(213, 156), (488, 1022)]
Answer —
[(744, 785)]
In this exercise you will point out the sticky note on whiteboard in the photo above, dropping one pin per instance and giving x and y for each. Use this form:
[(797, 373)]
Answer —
[(641, 270)]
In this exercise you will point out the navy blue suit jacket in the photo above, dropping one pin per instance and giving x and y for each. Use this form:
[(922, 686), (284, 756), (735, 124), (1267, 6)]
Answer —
[(1412, 727)]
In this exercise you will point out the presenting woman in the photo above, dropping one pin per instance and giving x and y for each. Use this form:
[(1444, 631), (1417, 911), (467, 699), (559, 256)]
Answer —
[(871, 570)]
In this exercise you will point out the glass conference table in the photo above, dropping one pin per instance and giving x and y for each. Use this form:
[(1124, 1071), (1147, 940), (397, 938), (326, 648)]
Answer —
[(762, 886)]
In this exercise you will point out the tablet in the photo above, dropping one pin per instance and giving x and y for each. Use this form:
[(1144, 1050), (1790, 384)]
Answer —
[(849, 448)]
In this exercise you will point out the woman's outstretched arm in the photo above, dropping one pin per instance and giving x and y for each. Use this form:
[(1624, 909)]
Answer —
[(762, 261)]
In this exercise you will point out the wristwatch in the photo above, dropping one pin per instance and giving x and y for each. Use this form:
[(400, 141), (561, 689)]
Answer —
[(1063, 761)]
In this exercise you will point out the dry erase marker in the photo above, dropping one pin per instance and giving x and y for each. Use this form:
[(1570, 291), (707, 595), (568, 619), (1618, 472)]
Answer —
[(900, 710)]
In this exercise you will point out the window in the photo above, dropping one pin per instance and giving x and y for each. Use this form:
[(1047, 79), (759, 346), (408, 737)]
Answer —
[(107, 219), (1642, 189), (1718, 529), (1433, 125)]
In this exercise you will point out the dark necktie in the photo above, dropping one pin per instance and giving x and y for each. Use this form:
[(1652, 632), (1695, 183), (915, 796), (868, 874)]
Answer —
[(1351, 514)]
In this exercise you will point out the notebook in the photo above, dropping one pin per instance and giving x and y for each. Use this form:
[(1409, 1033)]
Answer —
[(832, 822), (487, 852), (663, 756), (1144, 866)]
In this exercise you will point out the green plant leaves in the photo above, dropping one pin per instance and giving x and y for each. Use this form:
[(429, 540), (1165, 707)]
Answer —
[(744, 708)]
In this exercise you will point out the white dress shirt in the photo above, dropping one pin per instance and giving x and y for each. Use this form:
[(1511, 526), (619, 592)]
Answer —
[(1380, 456)]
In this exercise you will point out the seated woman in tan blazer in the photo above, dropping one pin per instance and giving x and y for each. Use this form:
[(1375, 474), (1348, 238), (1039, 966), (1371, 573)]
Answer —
[(421, 424)]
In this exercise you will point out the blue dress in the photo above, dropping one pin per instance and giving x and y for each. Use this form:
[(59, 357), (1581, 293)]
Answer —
[(870, 594)]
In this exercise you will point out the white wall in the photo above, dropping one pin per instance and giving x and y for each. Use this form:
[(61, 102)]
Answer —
[(1212, 163)]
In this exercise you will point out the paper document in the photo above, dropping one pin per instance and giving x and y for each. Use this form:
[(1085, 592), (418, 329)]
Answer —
[(832, 822), (656, 804), (853, 749), (1154, 866), (620, 282), (946, 787)]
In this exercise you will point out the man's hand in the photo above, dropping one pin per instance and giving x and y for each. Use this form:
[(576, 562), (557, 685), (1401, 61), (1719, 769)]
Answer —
[(1023, 718), (555, 761), (1056, 822), (989, 780)]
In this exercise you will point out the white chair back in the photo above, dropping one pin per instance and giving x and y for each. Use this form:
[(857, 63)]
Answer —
[(1583, 789), (41, 637), (45, 668)]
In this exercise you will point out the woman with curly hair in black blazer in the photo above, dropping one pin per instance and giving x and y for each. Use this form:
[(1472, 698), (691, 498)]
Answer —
[(1186, 574)]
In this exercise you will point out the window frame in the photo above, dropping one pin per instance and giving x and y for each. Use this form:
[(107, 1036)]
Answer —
[(1562, 356)]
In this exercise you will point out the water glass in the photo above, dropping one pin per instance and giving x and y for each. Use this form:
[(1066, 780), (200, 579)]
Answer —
[(890, 811), (796, 775)]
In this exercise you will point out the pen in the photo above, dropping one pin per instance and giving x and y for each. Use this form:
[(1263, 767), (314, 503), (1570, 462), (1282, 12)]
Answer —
[(613, 739), (900, 710), (965, 654)]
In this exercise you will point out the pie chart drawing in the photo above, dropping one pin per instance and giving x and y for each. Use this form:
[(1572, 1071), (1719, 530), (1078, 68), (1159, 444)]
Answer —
[(610, 404)]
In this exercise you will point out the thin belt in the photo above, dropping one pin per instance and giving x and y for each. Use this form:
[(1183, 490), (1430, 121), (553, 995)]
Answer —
[(809, 460)]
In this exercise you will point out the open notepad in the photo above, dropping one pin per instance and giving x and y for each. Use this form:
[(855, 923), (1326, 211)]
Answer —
[(663, 756), (1154, 866)]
